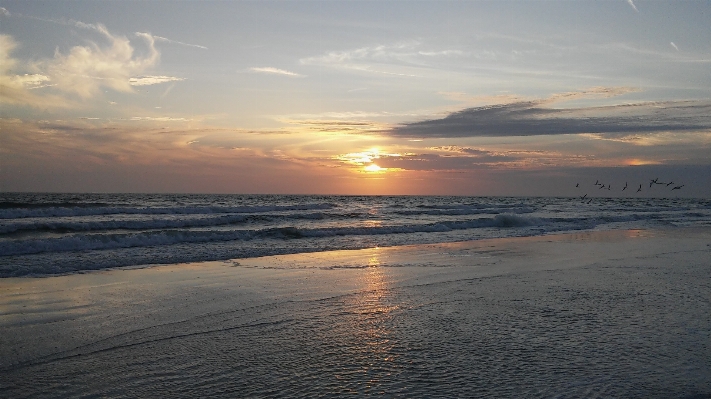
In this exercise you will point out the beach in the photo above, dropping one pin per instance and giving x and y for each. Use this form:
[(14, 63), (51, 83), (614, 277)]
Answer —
[(622, 313)]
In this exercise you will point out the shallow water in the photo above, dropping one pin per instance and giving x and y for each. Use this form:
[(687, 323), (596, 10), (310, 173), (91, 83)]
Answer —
[(521, 319)]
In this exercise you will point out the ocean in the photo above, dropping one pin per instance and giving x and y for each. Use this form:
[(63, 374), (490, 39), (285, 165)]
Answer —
[(619, 308), (48, 234)]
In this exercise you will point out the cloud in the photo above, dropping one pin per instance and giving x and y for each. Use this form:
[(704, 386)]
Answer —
[(465, 151), (163, 39), (16, 89), (159, 119), (275, 71), (405, 52), (153, 80), (534, 118), (381, 59), (4, 11), (32, 81), (594, 92), (116, 63), (85, 70), (337, 126), (7, 45), (631, 3)]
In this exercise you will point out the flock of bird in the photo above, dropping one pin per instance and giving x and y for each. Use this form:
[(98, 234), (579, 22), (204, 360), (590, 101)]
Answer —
[(653, 182)]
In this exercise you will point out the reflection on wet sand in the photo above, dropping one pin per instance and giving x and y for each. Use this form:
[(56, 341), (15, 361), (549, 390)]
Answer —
[(370, 328)]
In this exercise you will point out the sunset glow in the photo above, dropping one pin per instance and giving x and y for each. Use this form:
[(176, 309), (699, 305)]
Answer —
[(513, 98), (373, 168)]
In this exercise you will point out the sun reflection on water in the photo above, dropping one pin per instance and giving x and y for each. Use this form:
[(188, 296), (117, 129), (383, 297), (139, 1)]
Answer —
[(371, 327)]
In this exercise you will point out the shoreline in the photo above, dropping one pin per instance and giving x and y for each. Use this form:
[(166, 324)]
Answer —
[(48, 322)]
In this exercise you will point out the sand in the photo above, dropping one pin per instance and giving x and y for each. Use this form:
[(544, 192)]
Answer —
[(594, 314)]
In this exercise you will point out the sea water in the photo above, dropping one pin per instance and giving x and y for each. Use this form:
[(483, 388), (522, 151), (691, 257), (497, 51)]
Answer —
[(42, 234), (494, 322)]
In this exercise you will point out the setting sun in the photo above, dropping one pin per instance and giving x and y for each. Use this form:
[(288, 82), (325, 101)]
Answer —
[(373, 168)]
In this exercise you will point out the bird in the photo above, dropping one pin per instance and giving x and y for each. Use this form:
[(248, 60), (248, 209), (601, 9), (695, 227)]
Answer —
[(640, 188), (577, 184), (677, 187), (583, 197), (602, 186), (608, 186), (670, 183), (652, 182), (625, 187), (597, 182), (590, 200)]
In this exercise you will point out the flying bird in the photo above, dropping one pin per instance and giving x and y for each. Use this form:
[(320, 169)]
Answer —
[(653, 182), (640, 188), (577, 184), (597, 182), (677, 187), (583, 197), (625, 187), (670, 183)]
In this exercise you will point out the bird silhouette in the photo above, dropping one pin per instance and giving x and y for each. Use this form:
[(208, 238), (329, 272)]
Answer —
[(653, 182), (640, 188), (670, 183), (577, 184), (677, 187), (597, 182), (625, 187)]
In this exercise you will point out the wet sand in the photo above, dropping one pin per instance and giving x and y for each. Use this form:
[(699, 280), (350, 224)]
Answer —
[(594, 314)]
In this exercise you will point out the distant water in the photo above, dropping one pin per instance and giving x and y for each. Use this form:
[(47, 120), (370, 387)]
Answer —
[(43, 234)]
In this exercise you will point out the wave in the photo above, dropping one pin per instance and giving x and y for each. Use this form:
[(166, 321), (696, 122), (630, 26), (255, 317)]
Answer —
[(35, 205), (74, 210), (83, 242), (25, 226), (464, 210)]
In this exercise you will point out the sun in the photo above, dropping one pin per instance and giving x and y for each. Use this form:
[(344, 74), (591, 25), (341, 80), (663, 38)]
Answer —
[(373, 168)]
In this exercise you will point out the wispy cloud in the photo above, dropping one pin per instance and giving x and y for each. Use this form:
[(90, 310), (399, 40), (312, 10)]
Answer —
[(159, 119), (338, 126), (631, 3), (594, 92), (396, 59), (674, 45), (166, 40), (275, 71), (4, 11), (533, 118), (153, 80)]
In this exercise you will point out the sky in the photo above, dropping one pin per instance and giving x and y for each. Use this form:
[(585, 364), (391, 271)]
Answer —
[(521, 98)]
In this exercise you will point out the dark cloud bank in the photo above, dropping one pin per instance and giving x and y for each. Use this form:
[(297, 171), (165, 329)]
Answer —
[(531, 118)]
